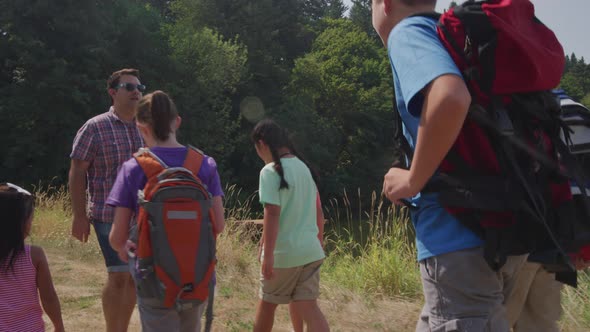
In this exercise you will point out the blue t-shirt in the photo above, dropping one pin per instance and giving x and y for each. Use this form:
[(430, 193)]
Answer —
[(417, 58)]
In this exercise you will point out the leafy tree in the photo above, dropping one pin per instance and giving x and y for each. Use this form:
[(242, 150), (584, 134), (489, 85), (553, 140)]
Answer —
[(576, 78), (570, 83), (161, 6), (340, 96), (573, 59), (56, 57), (360, 15), (315, 10), (336, 9), (568, 64), (274, 33), (208, 70), (271, 30)]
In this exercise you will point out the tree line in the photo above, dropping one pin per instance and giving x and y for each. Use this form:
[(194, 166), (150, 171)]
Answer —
[(315, 66)]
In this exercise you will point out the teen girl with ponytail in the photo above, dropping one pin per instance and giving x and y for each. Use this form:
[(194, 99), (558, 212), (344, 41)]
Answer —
[(158, 122)]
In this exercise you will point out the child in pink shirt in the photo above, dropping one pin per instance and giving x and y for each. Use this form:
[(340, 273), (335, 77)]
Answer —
[(24, 272)]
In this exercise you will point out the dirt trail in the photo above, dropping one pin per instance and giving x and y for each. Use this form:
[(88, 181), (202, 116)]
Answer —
[(79, 285)]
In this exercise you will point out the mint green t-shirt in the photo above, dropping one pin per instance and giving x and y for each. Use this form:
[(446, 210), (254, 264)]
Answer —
[(297, 241)]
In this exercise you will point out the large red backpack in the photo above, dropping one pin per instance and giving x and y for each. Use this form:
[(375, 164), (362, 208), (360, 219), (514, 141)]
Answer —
[(507, 175)]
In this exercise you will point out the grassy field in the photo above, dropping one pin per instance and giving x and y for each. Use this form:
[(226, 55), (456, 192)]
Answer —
[(370, 280)]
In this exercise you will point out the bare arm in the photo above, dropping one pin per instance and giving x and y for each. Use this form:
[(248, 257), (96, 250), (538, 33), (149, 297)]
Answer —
[(77, 185), (270, 233), (120, 231), (320, 219), (47, 293), (219, 214), (445, 107)]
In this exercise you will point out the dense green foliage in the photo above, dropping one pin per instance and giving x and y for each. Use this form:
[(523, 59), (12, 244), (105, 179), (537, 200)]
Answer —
[(576, 80), (226, 63)]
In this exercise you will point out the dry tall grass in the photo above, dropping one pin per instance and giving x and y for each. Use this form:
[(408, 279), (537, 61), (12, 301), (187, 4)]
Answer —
[(370, 280)]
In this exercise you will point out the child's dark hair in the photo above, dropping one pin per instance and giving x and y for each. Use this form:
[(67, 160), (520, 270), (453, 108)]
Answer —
[(276, 137), (157, 110), (16, 209)]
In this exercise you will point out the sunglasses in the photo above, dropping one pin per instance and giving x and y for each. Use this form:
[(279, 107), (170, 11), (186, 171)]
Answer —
[(17, 188), (130, 87)]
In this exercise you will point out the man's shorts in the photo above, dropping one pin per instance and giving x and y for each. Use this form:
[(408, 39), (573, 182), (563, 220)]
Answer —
[(300, 283), (111, 257)]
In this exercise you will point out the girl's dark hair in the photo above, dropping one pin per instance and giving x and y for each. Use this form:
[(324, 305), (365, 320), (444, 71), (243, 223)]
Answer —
[(16, 208), (157, 110), (276, 137)]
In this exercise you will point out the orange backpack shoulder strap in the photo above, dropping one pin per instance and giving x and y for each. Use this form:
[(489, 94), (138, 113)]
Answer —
[(194, 160), (149, 163)]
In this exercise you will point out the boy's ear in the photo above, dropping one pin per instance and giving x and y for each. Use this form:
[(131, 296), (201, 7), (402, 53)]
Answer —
[(387, 5)]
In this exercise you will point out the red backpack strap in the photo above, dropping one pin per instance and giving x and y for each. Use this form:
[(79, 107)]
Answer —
[(194, 160), (150, 164)]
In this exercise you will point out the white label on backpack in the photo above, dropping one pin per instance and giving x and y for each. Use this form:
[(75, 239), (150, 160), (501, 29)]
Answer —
[(576, 191), (504, 122), (192, 215)]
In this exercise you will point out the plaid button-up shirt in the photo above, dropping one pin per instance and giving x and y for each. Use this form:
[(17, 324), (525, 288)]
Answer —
[(106, 142)]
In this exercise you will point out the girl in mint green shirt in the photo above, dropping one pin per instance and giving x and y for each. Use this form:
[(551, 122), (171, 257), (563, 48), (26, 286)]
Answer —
[(293, 230)]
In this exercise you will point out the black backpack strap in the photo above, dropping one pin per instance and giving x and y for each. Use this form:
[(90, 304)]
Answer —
[(568, 278), (432, 15), (405, 152), (537, 210), (209, 311)]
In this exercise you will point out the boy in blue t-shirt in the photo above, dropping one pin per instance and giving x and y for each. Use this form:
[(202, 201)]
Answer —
[(462, 293)]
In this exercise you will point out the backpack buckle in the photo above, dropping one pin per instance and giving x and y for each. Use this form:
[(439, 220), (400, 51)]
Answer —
[(504, 122), (187, 288), (180, 306)]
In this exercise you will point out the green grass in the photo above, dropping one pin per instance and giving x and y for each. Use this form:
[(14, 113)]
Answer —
[(52, 225), (374, 253)]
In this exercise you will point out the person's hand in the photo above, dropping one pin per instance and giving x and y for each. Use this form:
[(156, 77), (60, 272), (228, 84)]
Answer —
[(267, 266), (128, 251), (81, 228), (396, 185)]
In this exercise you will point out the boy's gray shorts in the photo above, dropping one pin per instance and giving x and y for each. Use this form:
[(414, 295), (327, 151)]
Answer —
[(462, 292)]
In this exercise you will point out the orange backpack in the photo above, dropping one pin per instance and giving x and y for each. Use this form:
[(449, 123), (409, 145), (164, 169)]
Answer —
[(175, 233)]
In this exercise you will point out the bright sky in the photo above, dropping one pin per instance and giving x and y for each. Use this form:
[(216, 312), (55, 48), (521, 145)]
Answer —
[(565, 17)]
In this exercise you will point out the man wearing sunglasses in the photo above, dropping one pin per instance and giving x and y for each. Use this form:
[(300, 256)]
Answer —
[(102, 144)]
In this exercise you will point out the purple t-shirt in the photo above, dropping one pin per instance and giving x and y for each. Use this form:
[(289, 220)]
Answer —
[(131, 177)]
